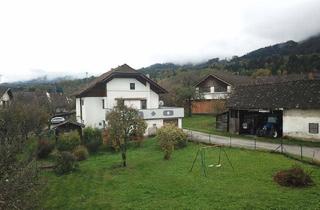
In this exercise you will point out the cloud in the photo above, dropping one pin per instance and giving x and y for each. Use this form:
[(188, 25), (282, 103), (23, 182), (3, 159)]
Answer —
[(296, 20), (77, 36)]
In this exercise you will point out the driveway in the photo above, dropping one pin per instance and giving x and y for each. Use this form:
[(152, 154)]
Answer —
[(309, 152)]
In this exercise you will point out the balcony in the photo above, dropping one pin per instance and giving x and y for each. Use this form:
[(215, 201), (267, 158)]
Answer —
[(215, 95), (162, 113)]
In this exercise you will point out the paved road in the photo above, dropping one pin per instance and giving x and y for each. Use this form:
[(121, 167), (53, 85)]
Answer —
[(310, 152)]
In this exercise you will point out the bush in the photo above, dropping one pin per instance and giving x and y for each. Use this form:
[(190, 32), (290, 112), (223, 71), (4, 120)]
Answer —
[(66, 162), (68, 141), (92, 139), (108, 144), (293, 177), (170, 137), (81, 153), (44, 148)]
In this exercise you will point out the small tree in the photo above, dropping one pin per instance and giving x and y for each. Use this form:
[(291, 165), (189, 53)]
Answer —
[(187, 92), (92, 139), (169, 138), (124, 124)]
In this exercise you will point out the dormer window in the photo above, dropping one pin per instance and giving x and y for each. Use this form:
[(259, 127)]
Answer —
[(229, 89), (132, 86), (212, 89)]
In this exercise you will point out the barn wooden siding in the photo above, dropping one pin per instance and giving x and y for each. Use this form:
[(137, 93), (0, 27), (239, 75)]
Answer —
[(213, 106), (222, 122)]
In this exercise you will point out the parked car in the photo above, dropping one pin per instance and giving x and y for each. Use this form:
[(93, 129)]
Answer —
[(57, 120)]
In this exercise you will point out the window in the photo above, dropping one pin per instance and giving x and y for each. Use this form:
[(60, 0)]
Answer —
[(103, 104), (314, 128), (132, 86), (143, 104)]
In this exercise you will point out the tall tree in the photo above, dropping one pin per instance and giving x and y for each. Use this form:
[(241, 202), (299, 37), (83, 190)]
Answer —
[(187, 91), (124, 123)]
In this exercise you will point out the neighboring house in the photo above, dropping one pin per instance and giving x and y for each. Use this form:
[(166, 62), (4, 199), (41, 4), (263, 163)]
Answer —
[(215, 89), (6, 97), (136, 89), (291, 107), (59, 103)]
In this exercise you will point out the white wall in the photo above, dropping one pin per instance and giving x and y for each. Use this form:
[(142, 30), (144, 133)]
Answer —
[(5, 97), (78, 117), (215, 95), (180, 123), (136, 104), (93, 113), (120, 88), (296, 123)]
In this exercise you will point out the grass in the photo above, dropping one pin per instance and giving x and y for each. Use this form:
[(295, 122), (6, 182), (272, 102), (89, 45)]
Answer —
[(149, 182), (207, 124)]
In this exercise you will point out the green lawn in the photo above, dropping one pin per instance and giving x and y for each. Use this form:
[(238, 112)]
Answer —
[(150, 182), (207, 124)]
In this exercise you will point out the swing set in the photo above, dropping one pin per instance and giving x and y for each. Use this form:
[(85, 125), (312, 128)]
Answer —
[(202, 153)]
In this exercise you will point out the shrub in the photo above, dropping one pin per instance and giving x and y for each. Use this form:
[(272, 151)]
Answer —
[(92, 139), (68, 141), (137, 139), (169, 137), (44, 148), (81, 153), (293, 177), (108, 144), (66, 162)]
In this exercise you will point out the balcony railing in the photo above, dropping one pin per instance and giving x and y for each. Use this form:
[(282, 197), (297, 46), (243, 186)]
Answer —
[(216, 95), (162, 113)]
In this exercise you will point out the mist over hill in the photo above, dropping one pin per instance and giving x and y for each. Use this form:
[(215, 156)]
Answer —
[(283, 58)]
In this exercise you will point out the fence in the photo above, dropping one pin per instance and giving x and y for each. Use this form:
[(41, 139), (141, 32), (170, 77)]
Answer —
[(300, 152)]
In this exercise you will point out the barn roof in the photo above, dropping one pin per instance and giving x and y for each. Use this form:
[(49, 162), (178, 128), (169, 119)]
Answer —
[(67, 123), (227, 78), (122, 71), (299, 94)]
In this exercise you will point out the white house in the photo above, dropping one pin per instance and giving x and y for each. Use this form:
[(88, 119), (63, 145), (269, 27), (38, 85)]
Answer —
[(292, 108), (5, 97), (136, 89)]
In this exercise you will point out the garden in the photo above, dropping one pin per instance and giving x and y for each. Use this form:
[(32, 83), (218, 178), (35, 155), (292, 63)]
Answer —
[(117, 168), (151, 182)]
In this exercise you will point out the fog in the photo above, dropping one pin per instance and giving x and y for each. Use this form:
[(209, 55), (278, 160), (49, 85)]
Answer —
[(58, 38)]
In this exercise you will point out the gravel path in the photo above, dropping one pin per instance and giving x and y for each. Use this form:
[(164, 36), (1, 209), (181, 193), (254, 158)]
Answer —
[(309, 152)]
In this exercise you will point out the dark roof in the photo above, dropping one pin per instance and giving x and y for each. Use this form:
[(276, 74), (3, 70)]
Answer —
[(65, 123), (121, 71), (228, 78), (299, 94)]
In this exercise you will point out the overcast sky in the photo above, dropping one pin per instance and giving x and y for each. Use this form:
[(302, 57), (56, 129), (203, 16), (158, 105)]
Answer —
[(71, 37)]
